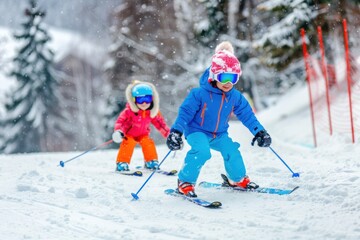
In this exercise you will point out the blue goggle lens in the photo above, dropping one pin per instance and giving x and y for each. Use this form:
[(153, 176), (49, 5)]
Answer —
[(223, 78), (144, 99)]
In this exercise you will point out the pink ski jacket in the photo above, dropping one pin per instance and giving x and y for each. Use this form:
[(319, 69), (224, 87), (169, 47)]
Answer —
[(136, 124)]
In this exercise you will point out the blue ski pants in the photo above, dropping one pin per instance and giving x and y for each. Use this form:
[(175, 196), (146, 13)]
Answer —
[(200, 152)]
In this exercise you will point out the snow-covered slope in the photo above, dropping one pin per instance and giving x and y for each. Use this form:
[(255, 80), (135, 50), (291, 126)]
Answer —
[(87, 200)]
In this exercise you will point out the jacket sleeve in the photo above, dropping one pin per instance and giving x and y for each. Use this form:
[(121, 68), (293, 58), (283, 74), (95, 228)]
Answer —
[(187, 110), (159, 123), (123, 122), (245, 114)]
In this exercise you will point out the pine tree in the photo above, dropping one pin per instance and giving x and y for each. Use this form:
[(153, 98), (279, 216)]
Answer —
[(280, 42), (148, 46), (32, 107), (217, 13)]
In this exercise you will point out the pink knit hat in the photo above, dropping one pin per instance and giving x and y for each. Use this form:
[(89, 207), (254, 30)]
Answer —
[(224, 60)]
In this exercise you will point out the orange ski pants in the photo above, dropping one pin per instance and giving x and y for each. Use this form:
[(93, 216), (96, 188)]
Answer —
[(127, 148)]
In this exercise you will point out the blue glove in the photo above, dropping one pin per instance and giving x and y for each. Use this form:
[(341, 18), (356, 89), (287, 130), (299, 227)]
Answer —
[(263, 139), (174, 140)]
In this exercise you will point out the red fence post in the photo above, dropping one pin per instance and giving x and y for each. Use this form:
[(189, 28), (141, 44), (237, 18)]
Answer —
[(348, 74), (307, 68), (324, 71)]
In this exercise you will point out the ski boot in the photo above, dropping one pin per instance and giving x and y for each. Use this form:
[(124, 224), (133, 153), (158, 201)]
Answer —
[(243, 183), (122, 166), (186, 188), (153, 165)]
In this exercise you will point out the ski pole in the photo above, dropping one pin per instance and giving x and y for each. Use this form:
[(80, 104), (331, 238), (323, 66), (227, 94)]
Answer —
[(135, 195), (62, 163), (293, 174)]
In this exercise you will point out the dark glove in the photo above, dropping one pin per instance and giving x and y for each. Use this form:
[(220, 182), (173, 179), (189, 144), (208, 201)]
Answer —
[(118, 136), (174, 140), (263, 139)]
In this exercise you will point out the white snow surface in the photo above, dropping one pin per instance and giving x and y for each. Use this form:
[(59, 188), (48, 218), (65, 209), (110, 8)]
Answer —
[(87, 200)]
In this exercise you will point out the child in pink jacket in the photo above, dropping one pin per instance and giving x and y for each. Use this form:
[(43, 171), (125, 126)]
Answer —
[(132, 127)]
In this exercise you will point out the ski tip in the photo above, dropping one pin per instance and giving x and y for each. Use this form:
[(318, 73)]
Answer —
[(127, 173), (215, 204), (294, 189), (173, 172), (224, 177), (138, 173)]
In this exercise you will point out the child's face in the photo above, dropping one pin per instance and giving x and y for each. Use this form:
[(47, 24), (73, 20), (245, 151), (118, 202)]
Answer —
[(143, 106), (224, 87)]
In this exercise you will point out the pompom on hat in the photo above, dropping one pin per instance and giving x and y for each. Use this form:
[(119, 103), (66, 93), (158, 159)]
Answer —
[(224, 60)]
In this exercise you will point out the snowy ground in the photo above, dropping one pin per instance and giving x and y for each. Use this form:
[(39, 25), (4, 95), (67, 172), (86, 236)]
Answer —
[(87, 200)]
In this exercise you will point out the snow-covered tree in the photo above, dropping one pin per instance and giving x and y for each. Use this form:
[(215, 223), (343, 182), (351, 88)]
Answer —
[(216, 23), (281, 42), (32, 118), (172, 54), (154, 41)]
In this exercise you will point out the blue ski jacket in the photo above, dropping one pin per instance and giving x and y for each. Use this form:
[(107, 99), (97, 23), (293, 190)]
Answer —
[(208, 109)]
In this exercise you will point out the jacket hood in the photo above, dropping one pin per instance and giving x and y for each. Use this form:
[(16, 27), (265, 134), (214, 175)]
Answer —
[(156, 100)]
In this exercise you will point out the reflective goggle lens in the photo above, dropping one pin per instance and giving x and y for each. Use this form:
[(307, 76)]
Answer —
[(223, 78), (144, 99)]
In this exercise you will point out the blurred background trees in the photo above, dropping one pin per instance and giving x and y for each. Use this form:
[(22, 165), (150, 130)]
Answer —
[(170, 43), (33, 115)]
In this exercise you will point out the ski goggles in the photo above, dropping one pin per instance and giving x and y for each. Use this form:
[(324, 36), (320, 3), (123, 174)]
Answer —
[(144, 99), (226, 77)]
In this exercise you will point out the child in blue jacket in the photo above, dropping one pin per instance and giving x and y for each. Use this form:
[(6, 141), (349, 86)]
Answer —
[(203, 118)]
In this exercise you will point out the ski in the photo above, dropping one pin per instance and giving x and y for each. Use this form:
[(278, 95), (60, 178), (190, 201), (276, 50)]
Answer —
[(168, 173), (196, 200), (225, 185), (130, 173)]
